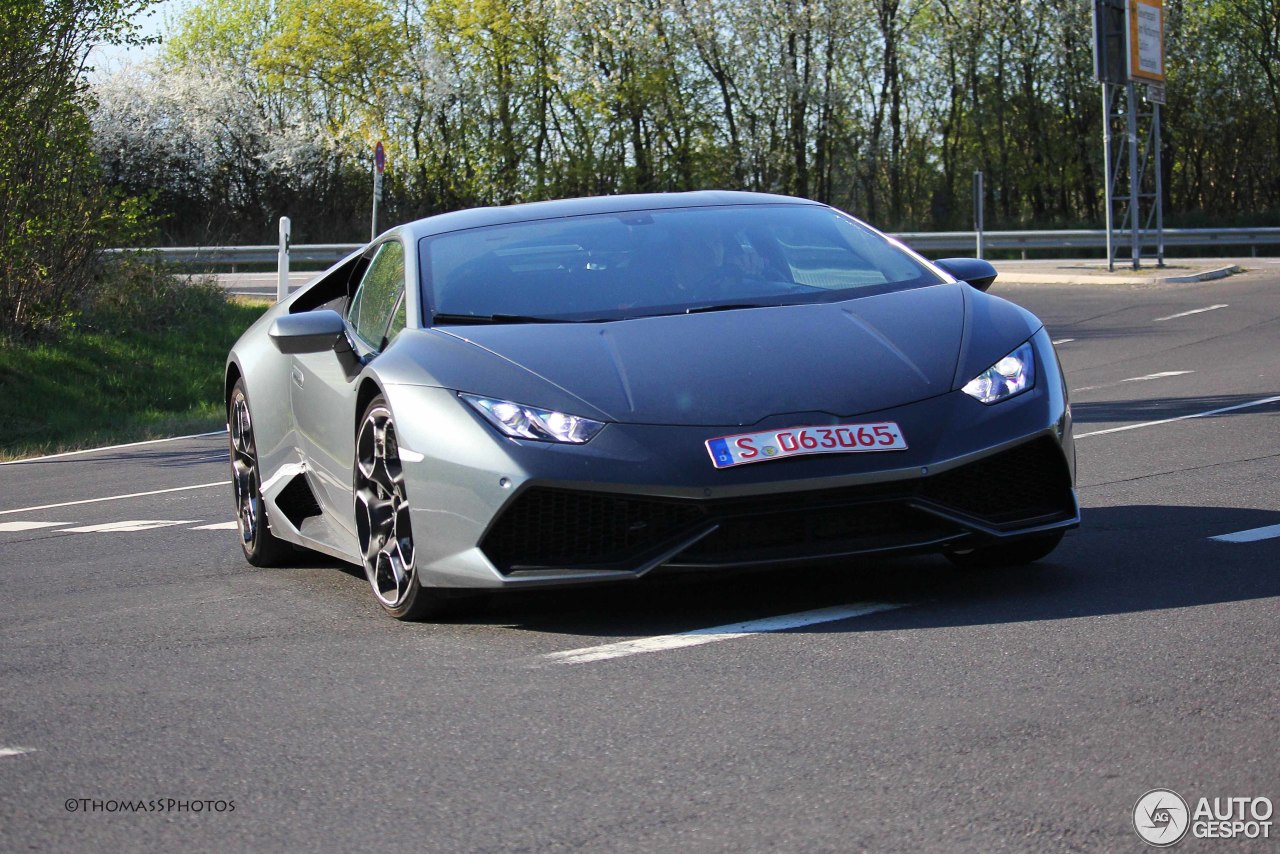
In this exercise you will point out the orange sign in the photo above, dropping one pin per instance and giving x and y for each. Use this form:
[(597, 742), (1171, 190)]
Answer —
[(1146, 40)]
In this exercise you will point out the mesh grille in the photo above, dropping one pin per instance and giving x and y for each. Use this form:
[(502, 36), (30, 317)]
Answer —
[(1024, 483), (789, 534), (547, 527)]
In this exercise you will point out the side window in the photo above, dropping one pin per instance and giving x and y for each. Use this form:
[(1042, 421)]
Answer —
[(399, 320), (375, 299)]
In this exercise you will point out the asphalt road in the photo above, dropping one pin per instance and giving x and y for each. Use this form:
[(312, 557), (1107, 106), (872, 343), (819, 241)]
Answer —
[(1019, 710)]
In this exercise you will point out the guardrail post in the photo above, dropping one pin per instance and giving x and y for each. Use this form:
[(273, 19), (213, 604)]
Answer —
[(282, 260)]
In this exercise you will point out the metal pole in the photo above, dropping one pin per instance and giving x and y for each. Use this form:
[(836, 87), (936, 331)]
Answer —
[(978, 199), (1135, 222), (1106, 170), (377, 193), (282, 259), (1155, 143)]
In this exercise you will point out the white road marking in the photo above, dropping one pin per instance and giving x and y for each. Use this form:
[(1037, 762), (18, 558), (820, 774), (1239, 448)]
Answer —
[(28, 526), (114, 497), (715, 634), (1251, 536), (1263, 402), (1063, 341), (1158, 376), (126, 527), (15, 751), (218, 526), (111, 448), (1193, 311)]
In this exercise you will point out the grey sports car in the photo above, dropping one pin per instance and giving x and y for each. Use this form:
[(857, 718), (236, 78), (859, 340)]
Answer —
[(591, 390)]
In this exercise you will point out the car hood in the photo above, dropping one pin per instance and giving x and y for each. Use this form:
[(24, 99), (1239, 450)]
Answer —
[(741, 366)]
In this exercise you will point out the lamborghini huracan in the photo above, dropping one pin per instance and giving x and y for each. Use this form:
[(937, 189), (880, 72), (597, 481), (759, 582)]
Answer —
[(592, 390)]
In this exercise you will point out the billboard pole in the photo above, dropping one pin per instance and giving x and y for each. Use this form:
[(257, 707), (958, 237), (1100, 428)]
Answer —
[(1107, 167), (1131, 131), (1128, 49), (1110, 67), (1155, 133)]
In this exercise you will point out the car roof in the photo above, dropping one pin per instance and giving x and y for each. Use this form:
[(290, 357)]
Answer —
[(531, 211)]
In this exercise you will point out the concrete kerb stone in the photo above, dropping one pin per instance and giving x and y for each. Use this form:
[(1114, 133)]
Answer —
[(1076, 277)]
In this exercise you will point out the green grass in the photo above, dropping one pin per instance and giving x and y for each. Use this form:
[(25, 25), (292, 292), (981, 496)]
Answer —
[(113, 381)]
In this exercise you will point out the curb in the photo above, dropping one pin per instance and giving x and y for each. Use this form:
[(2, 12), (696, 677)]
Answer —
[(1206, 276), (1016, 278)]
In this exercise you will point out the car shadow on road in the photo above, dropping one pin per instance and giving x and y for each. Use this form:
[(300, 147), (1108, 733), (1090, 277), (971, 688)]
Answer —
[(1125, 559)]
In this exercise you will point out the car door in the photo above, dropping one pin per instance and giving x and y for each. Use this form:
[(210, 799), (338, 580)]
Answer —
[(323, 384)]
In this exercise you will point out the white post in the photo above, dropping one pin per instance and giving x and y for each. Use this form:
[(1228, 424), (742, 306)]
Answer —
[(379, 163), (282, 260), (978, 199)]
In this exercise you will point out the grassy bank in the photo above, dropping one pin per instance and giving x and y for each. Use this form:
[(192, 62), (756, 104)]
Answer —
[(144, 367)]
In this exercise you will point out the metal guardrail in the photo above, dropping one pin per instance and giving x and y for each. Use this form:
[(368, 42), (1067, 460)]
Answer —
[(947, 241), (922, 241), (326, 253)]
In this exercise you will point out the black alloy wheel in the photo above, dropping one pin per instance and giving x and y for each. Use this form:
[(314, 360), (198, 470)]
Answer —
[(261, 547)]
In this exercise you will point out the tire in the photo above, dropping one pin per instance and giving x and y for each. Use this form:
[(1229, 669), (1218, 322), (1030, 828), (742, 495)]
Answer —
[(1017, 553), (260, 546), (383, 525)]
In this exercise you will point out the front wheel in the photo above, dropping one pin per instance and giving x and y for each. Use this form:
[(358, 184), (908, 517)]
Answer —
[(383, 523), (1016, 553), (261, 547)]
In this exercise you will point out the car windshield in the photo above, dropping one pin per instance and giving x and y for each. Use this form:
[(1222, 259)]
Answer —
[(671, 261)]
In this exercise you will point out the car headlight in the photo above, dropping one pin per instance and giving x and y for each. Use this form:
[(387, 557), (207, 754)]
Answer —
[(1010, 376), (527, 422)]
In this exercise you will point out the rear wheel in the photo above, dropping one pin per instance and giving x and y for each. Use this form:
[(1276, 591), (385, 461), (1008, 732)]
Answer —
[(383, 523), (1016, 553), (261, 547)]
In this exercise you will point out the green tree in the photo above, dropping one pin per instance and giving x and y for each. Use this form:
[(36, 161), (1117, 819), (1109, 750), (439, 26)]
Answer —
[(55, 214)]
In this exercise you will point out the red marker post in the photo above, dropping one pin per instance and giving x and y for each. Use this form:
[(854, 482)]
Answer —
[(379, 164)]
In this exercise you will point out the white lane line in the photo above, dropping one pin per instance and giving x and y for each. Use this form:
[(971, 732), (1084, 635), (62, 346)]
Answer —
[(1263, 402), (126, 527), (114, 497), (15, 751), (218, 526), (1062, 341), (1189, 313), (715, 634), (111, 448), (1250, 536), (29, 526), (1158, 376)]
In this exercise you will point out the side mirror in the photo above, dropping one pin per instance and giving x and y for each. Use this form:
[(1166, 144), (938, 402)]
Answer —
[(308, 331), (978, 273)]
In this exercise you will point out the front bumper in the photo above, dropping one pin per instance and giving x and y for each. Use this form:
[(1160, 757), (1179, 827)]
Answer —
[(1024, 489), (494, 512)]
